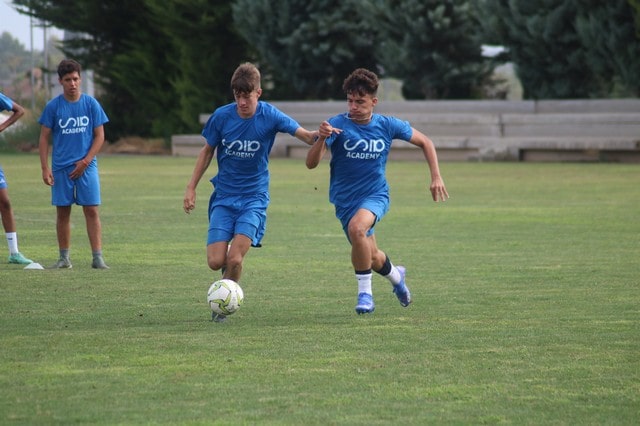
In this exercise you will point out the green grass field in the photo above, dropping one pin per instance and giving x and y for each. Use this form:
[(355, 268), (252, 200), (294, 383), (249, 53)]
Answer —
[(526, 304)]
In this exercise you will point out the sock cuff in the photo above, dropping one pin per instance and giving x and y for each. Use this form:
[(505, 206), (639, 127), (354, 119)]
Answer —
[(386, 267)]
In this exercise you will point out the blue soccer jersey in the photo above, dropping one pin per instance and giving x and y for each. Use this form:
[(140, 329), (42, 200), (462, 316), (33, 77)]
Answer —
[(243, 146), (6, 104), (72, 125), (359, 156)]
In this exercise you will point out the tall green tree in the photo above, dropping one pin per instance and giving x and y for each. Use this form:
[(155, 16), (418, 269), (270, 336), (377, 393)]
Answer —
[(433, 46), (570, 48), (14, 58), (159, 63), (120, 42), (544, 46), (309, 46), (635, 5), (608, 34), (205, 50)]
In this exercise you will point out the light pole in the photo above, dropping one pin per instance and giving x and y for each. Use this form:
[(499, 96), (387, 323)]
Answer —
[(32, 77)]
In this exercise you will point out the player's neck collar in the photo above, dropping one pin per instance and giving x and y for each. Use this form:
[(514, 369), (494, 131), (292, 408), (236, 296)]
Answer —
[(363, 121)]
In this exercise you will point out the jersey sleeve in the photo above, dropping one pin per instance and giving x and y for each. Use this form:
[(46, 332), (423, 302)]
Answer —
[(98, 115), (6, 104), (285, 124), (400, 129), (210, 131), (47, 118)]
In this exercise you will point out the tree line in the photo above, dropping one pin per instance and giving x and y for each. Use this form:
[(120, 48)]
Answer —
[(160, 63)]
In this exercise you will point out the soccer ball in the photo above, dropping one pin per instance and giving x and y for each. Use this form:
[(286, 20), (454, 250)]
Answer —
[(225, 297)]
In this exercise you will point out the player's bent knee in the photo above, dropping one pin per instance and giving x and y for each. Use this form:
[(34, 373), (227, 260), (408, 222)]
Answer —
[(215, 264), (234, 262), (356, 231)]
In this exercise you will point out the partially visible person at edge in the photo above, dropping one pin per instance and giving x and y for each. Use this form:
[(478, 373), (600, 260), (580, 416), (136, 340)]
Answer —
[(359, 141), (75, 123), (6, 211), (241, 134)]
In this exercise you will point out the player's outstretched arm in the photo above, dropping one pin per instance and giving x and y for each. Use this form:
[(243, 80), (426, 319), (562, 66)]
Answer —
[(437, 188), (305, 135)]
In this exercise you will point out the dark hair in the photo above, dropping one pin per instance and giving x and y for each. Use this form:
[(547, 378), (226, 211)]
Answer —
[(245, 79), (361, 82), (67, 66)]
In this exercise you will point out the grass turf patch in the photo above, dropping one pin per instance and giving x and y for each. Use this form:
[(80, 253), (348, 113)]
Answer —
[(525, 287)]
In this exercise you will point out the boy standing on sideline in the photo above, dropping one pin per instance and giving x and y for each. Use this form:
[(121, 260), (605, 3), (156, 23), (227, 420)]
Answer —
[(360, 141), (75, 121), (241, 134), (8, 221)]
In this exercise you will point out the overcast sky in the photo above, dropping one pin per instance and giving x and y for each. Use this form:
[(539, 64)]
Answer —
[(18, 26)]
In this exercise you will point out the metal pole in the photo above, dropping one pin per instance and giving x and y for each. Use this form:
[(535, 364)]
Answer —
[(45, 71), (33, 80)]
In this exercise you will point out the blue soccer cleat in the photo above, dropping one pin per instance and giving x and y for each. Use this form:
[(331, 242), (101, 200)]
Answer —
[(365, 304), (401, 290)]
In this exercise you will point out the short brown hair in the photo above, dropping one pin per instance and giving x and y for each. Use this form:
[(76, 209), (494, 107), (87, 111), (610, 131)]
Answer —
[(361, 82), (245, 79), (67, 66)]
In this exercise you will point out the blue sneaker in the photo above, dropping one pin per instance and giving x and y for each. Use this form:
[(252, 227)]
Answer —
[(365, 304), (401, 290)]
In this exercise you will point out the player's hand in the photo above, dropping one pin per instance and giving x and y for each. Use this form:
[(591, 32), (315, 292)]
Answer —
[(438, 190), (327, 130), (47, 177), (81, 166), (189, 202)]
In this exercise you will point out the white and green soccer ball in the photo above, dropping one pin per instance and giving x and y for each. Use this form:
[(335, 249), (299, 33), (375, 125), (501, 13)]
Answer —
[(225, 297)]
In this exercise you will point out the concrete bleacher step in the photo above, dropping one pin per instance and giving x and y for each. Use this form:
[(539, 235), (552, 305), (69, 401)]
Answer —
[(553, 130)]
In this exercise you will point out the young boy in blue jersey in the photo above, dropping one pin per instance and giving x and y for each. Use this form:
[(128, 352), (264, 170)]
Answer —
[(76, 123), (359, 141), (241, 134), (6, 211)]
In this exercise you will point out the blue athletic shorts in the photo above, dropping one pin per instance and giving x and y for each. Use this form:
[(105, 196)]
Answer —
[(378, 205), (84, 191), (230, 215), (3, 182)]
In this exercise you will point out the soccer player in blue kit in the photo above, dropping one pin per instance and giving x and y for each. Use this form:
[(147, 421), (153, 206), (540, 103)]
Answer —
[(359, 141), (76, 122), (241, 134), (6, 211)]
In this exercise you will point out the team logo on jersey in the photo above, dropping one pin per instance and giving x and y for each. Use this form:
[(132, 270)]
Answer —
[(363, 149), (242, 149), (74, 125)]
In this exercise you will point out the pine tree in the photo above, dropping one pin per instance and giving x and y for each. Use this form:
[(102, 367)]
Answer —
[(571, 48), (608, 33), (309, 46), (159, 63), (544, 46), (434, 46)]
